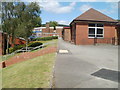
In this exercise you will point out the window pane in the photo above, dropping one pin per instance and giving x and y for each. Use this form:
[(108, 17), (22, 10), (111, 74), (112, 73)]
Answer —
[(99, 35), (91, 30), (91, 25), (91, 35), (99, 31), (99, 25)]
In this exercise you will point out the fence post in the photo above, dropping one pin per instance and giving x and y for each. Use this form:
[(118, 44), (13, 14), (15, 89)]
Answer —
[(113, 40), (95, 40), (116, 41)]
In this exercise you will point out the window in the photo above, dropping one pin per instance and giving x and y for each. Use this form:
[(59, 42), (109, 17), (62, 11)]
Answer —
[(91, 25), (99, 25), (40, 30), (95, 30)]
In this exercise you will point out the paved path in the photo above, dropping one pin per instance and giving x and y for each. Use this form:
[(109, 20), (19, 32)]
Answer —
[(73, 70)]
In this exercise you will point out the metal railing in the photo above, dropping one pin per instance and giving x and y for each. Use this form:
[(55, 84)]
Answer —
[(31, 49)]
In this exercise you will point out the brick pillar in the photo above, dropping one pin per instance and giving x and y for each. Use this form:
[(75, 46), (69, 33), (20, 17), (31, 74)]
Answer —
[(116, 38), (47, 28), (0, 43)]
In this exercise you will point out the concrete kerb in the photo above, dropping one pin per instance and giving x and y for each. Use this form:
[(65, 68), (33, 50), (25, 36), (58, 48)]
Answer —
[(52, 81)]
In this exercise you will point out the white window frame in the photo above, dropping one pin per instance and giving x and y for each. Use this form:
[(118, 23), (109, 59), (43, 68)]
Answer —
[(96, 30), (41, 30)]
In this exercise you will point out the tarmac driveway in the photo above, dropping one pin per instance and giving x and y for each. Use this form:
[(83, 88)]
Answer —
[(86, 66)]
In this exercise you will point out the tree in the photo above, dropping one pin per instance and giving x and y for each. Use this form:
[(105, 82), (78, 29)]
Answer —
[(8, 21), (19, 19), (53, 24), (30, 18)]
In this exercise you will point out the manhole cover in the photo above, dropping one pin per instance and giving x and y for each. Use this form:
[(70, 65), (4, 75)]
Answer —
[(63, 51)]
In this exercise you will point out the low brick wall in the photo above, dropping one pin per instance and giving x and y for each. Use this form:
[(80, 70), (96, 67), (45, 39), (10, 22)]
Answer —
[(0, 44), (3, 42), (2, 64), (29, 55)]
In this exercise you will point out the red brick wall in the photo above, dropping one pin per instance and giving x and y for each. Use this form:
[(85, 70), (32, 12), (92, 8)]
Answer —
[(58, 31), (67, 35), (3, 42), (0, 43), (82, 34), (17, 41), (73, 33), (44, 30), (118, 33)]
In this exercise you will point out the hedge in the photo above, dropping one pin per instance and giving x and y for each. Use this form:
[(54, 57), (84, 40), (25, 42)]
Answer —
[(32, 44), (16, 48), (45, 38)]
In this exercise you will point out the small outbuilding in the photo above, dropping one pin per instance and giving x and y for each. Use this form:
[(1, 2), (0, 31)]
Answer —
[(66, 34), (118, 33), (93, 27)]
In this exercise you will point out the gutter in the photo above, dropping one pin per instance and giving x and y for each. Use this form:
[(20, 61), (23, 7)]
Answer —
[(93, 21)]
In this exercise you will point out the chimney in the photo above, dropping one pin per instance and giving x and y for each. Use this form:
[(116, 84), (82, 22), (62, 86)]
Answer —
[(47, 27)]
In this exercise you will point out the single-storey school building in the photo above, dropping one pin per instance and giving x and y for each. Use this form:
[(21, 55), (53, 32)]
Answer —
[(93, 27)]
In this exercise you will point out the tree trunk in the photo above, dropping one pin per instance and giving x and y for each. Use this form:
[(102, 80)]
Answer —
[(13, 39), (26, 44), (8, 44)]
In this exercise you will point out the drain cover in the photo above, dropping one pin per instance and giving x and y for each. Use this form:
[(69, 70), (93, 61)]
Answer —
[(107, 74), (63, 51)]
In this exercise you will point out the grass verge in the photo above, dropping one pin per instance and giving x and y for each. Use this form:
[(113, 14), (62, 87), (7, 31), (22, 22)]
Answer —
[(54, 40), (33, 73), (6, 57)]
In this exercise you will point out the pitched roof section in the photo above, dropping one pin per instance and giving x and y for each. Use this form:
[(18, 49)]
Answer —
[(94, 15)]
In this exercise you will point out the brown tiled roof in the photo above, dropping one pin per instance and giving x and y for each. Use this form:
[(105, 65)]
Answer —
[(94, 15)]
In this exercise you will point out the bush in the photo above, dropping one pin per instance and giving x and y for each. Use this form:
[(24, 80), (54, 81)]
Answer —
[(34, 44), (45, 38), (11, 50), (55, 37), (16, 48), (19, 47)]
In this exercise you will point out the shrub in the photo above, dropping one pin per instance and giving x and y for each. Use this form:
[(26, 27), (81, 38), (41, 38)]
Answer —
[(11, 50), (19, 47), (55, 37), (16, 48), (34, 44), (45, 38)]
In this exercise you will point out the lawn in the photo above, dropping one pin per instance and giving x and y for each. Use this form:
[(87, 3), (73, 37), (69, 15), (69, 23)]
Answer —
[(0, 73), (0, 78), (33, 73), (6, 57)]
